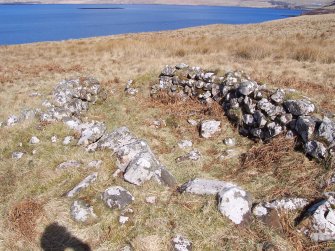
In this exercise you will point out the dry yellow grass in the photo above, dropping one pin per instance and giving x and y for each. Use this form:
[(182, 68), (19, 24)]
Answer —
[(294, 53)]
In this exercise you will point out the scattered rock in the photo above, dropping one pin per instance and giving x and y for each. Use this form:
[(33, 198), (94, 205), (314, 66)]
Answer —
[(180, 243), (192, 155), (185, 144), (123, 219), (67, 140), (209, 128), (17, 155), (229, 141), (278, 97), (315, 149), (151, 199), (129, 89), (117, 197), (94, 164), (299, 107), (235, 204), (205, 186), (83, 184), (82, 212), (12, 120), (192, 122), (322, 215), (90, 132), (34, 140), (69, 164), (54, 139)]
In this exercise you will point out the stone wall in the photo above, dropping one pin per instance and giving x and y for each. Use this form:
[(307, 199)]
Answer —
[(259, 112)]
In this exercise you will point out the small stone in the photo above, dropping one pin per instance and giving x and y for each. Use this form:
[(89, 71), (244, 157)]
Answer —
[(54, 139), (69, 164), (67, 140), (229, 141), (126, 248), (83, 184), (123, 219), (235, 203), (34, 94), (180, 243), (151, 199), (34, 152), (12, 120), (229, 154), (17, 155), (193, 155), (181, 66), (204, 186), (90, 132), (117, 197), (94, 164), (299, 107), (315, 149), (168, 71), (247, 87), (192, 122), (34, 140), (81, 211), (305, 126), (185, 144), (287, 204), (209, 128), (278, 96)]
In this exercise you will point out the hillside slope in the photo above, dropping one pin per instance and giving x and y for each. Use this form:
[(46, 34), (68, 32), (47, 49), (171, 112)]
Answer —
[(33, 201)]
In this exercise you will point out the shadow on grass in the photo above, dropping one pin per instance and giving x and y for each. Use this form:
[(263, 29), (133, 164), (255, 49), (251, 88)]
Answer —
[(57, 238)]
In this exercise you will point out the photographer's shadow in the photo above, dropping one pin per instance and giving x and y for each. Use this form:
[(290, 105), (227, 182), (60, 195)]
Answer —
[(57, 238)]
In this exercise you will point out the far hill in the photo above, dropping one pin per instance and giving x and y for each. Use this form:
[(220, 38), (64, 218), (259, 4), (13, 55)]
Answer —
[(294, 4)]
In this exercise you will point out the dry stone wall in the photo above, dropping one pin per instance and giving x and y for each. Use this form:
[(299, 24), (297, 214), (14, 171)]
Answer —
[(259, 112)]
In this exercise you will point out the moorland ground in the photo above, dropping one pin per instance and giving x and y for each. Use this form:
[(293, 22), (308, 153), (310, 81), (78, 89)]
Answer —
[(292, 53)]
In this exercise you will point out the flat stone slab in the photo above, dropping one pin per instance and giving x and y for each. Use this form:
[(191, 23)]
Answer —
[(83, 184), (117, 197), (205, 186)]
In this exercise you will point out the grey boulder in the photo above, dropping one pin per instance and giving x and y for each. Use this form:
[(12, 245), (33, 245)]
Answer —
[(117, 197), (299, 107)]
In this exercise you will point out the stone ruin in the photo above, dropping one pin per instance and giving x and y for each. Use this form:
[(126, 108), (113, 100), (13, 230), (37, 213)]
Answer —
[(260, 113)]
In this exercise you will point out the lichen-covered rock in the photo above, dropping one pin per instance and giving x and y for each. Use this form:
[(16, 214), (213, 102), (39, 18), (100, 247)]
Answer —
[(68, 164), (82, 212), (322, 226), (235, 203), (90, 132), (278, 96), (185, 144), (94, 164), (181, 66), (305, 126), (268, 108), (326, 130), (12, 120), (209, 128), (168, 71), (192, 155), (293, 203), (180, 243), (229, 141), (83, 184), (205, 186), (17, 155), (117, 197), (299, 107), (247, 87), (315, 149), (67, 140), (34, 140)]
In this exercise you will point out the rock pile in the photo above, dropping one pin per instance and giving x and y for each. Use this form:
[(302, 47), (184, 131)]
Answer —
[(259, 112)]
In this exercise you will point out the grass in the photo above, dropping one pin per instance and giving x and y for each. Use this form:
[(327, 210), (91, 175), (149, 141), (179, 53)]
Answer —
[(270, 52)]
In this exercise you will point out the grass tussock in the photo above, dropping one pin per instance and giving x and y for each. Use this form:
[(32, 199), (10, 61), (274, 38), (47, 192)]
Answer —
[(22, 217)]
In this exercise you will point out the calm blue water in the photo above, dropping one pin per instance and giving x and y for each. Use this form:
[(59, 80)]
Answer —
[(34, 23)]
